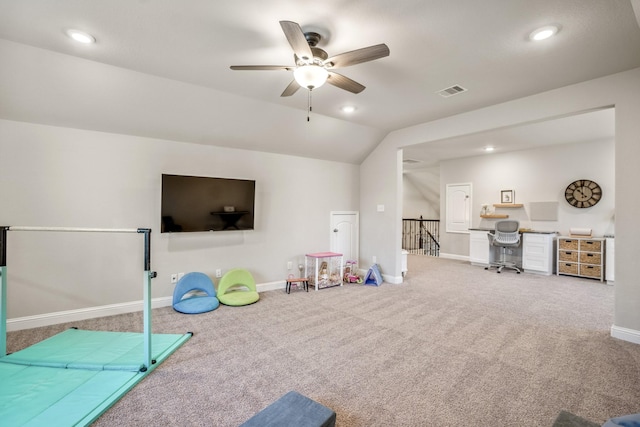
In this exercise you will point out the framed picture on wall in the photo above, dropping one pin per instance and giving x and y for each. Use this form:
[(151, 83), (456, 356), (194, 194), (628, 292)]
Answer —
[(507, 196)]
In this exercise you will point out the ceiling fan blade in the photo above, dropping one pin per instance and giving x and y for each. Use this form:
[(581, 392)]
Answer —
[(338, 80), (358, 56), (291, 89), (297, 40), (262, 67)]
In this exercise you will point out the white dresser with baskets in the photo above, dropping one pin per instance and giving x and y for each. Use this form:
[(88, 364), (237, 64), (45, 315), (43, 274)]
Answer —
[(581, 256)]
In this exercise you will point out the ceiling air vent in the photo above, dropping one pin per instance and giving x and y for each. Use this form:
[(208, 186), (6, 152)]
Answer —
[(450, 91)]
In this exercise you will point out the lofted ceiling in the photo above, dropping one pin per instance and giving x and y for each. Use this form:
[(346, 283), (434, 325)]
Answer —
[(161, 68)]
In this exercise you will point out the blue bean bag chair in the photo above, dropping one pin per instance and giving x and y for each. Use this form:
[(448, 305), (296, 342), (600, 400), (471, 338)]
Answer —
[(194, 293), (567, 419), (632, 420)]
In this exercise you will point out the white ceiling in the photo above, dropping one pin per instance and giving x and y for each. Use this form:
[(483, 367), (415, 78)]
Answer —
[(180, 53)]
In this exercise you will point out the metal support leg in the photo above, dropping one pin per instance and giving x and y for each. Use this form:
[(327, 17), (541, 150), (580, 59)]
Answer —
[(3, 311), (147, 319), (3, 291), (147, 276)]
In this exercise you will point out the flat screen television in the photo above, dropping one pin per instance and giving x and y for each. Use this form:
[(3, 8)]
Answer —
[(196, 203)]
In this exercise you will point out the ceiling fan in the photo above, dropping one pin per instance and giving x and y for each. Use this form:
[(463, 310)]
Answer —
[(313, 67)]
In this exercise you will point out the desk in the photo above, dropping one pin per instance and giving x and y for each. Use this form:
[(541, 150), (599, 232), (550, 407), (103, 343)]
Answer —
[(535, 255)]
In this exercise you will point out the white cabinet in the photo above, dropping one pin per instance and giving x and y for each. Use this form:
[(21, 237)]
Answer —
[(610, 263), (480, 252), (538, 253), (403, 256)]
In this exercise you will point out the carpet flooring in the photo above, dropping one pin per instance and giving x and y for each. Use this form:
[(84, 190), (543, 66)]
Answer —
[(453, 345)]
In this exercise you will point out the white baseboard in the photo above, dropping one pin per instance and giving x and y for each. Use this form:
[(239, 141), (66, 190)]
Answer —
[(48, 319), (394, 280), (270, 286), (625, 334), (454, 256), (54, 318)]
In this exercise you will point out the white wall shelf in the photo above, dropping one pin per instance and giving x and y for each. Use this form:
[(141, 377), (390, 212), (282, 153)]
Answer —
[(508, 205)]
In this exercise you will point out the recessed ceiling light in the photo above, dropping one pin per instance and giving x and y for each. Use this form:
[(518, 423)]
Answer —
[(489, 149), (348, 109), (543, 33), (81, 36)]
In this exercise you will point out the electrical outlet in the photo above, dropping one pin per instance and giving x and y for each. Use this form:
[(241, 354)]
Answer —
[(218, 272), (374, 259), (180, 275), (174, 278), (289, 265)]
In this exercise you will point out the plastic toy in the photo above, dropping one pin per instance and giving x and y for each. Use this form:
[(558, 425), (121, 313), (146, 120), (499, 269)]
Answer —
[(351, 272)]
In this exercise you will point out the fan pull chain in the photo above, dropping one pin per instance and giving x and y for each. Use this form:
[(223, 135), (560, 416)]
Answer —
[(309, 104)]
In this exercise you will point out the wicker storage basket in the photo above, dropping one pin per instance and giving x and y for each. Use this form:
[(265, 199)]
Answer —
[(590, 258), (590, 271), (571, 256), (591, 245), (568, 268), (570, 244)]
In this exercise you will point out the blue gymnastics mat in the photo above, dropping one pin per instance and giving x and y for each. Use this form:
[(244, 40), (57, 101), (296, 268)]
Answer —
[(72, 378)]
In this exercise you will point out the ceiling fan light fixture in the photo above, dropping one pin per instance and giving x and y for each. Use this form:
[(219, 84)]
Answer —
[(310, 76)]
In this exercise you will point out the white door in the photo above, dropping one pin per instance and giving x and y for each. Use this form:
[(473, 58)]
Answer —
[(458, 208), (345, 234)]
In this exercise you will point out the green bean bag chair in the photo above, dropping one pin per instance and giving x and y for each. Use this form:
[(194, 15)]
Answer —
[(237, 287)]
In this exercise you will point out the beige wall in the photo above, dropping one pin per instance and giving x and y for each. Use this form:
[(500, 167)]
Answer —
[(421, 193), (538, 175), (52, 176), (620, 90)]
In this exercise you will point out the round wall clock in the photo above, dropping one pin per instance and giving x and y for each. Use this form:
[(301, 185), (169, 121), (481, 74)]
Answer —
[(583, 193)]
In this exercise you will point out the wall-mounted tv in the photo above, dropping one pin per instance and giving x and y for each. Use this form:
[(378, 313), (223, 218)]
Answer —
[(196, 203)]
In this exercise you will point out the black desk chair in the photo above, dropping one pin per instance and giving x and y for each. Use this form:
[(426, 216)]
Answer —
[(506, 235)]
